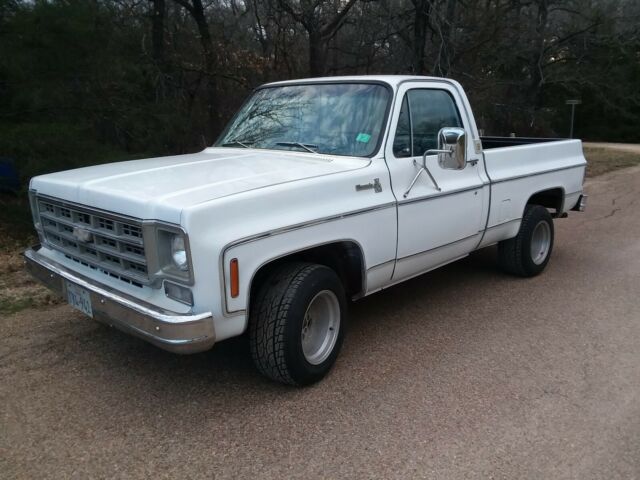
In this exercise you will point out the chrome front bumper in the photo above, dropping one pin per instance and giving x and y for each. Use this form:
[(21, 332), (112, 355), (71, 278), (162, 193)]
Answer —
[(176, 332)]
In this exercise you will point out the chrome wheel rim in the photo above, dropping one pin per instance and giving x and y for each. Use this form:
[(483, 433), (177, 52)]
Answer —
[(540, 242), (320, 327)]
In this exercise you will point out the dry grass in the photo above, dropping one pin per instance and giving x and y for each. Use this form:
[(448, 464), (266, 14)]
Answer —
[(17, 289), (603, 160)]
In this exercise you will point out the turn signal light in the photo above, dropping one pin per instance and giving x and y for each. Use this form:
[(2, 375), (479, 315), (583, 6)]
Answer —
[(235, 278)]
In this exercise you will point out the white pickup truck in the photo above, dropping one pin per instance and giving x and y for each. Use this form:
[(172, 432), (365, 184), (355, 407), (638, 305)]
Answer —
[(319, 191)]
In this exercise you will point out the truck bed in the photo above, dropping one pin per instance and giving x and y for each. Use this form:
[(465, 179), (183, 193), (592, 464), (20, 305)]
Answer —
[(516, 165), (500, 142), (534, 158)]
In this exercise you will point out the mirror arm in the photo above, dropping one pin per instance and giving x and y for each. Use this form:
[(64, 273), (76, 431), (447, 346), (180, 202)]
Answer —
[(432, 179), (413, 182), (434, 151), (425, 169)]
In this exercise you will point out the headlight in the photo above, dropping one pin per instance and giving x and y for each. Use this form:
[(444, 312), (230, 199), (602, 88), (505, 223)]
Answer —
[(168, 252), (179, 252)]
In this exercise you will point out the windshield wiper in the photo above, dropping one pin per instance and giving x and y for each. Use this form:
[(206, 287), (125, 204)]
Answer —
[(236, 142), (306, 146)]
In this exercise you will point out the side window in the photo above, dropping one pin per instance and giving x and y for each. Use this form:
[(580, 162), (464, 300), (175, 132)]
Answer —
[(402, 141), (430, 111), (422, 114)]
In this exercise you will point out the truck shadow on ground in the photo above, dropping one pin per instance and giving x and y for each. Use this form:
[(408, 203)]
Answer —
[(130, 371)]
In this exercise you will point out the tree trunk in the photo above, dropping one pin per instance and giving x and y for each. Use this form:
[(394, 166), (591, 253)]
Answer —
[(209, 57), (157, 31), (319, 29), (317, 54), (535, 68), (444, 65), (420, 23)]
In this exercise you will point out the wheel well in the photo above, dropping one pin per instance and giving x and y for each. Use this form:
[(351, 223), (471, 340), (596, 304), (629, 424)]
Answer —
[(552, 198), (344, 257)]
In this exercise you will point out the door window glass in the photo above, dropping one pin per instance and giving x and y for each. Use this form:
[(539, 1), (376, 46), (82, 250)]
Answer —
[(425, 111)]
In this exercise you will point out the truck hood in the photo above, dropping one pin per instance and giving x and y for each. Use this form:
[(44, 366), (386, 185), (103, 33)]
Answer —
[(160, 188)]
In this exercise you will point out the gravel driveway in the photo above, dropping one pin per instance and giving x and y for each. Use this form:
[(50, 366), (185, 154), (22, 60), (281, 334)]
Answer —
[(460, 373)]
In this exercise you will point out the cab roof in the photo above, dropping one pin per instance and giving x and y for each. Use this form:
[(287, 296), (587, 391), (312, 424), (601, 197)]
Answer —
[(392, 80)]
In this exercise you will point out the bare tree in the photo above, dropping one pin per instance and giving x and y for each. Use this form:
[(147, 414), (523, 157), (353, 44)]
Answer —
[(321, 19), (422, 12), (196, 10), (158, 13)]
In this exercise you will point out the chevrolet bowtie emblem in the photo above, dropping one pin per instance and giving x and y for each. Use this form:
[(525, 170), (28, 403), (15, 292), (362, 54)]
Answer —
[(83, 235)]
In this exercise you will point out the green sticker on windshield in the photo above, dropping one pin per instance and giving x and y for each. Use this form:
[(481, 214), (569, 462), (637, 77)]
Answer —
[(363, 137)]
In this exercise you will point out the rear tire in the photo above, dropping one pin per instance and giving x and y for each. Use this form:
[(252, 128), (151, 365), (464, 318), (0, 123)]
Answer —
[(527, 254), (297, 322)]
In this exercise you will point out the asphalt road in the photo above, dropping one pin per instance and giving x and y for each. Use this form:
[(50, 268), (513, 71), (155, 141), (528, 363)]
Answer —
[(461, 373)]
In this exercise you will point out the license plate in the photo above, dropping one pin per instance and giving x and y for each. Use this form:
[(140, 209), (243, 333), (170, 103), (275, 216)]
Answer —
[(79, 298)]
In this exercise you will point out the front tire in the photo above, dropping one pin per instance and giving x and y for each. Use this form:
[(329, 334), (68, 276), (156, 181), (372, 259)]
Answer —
[(527, 254), (297, 323)]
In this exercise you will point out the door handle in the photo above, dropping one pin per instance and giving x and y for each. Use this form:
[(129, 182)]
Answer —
[(375, 186)]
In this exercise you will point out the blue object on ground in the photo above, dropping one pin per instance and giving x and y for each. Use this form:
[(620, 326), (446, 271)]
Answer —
[(9, 178)]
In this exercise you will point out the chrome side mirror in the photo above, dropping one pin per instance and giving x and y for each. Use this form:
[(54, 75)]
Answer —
[(452, 144), (451, 151)]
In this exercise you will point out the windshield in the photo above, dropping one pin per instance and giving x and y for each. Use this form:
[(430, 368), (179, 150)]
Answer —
[(338, 119)]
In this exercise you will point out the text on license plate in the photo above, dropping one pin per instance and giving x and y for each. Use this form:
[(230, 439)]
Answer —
[(79, 298)]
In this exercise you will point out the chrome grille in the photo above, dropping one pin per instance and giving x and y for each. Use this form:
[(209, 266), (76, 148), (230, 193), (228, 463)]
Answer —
[(104, 242)]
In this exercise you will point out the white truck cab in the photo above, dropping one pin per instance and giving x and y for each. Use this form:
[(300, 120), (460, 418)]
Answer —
[(319, 191)]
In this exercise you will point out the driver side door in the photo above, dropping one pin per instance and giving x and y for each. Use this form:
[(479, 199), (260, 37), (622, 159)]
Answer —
[(434, 226)]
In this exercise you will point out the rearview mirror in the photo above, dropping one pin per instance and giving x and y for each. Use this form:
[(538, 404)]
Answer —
[(452, 143)]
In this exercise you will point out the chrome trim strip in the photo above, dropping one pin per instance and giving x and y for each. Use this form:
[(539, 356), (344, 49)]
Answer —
[(503, 223), (176, 332), (439, 247), (310, 223), (452, 192), (538, 173), (363, 271), (279, 231), (271, 259), (422, 272), (380, 265)]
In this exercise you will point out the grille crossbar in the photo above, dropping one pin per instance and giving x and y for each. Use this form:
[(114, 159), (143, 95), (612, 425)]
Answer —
[(104, 242)]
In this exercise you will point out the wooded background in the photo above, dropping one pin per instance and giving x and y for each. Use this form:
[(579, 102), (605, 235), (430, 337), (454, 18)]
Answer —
[(89, 81)]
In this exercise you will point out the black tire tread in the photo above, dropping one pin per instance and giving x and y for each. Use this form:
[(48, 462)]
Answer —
[(510, 252), (268, 315)]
